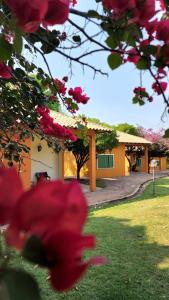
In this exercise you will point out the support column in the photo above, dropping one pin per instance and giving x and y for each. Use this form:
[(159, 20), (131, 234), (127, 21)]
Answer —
[(146, 159), (92, 162), (61, 165)]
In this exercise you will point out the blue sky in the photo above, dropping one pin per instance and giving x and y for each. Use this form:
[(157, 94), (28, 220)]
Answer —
[(110, 97)]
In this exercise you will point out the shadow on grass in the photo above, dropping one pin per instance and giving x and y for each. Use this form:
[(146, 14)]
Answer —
[(137, 268), (133, 270)]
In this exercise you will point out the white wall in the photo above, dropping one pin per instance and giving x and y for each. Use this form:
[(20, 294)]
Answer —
[(44, 161)]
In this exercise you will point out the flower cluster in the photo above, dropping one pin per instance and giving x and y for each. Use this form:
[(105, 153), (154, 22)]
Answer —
[(150, 135), (36, 12), (78, 95), (140, 11), (75, 95), (60, 85), (141, 95), (50, 127), (52, 213)]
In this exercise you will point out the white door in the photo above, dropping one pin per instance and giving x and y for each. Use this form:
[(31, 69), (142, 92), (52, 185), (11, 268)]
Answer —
[(45, 160)]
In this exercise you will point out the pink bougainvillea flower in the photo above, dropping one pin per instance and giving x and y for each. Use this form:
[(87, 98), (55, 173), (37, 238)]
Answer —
[(162, 32), (157, 89), (29, 14), (57, 13), (47, 206), (5, 71), (10, 192)]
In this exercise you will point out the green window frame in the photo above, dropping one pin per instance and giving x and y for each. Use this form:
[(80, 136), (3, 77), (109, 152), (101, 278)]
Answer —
[(138, 162), (105, 161)]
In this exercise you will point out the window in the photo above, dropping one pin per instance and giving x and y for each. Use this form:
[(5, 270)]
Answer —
[(138, 163), (105, 161)]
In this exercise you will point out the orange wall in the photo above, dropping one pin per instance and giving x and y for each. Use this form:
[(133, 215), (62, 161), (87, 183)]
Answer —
[(119, 164), (25, 168), (70, 166), (163, 164), (118, 170)]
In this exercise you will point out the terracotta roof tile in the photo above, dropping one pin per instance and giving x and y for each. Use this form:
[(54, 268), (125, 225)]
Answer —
[(70, 122), (131, 139)]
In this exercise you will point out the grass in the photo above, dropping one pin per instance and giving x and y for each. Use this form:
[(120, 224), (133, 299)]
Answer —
[(134, 236)]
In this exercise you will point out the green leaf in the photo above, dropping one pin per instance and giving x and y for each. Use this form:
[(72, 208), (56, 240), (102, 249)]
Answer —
[(5, 50), (114, 61), (18, 42), (34, 251), (111, 42), (149, 50), (141, 102), (93, 14), (76, 38), (143, 64), (135, 100), (19, 285)]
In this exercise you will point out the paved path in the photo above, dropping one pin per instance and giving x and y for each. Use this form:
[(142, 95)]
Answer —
[(120, 187)]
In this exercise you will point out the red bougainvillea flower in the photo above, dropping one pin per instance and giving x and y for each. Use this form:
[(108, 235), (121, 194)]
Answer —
[(74, 2), (55, 213), (161, 73), (10, 192), (50, 127), (157, 89), (162, 5), (65, 250), (60, 86), (46, 207), (57, 13), (29, 14), (5, 71), (119, 6), (139, 90), (162, 32), (133, 56), (78, 96)]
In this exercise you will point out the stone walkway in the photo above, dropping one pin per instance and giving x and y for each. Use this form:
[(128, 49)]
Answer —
[(120, 188)]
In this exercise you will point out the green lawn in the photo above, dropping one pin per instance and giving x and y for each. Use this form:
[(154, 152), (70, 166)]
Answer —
[(134, 236)]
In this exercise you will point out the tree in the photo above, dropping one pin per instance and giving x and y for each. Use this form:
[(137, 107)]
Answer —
[(138, 151), (128, 128), (157, 148), (80, 148), (166, 134)]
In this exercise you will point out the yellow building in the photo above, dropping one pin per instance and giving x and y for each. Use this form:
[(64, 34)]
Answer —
[(100, 165), (112, 163)]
